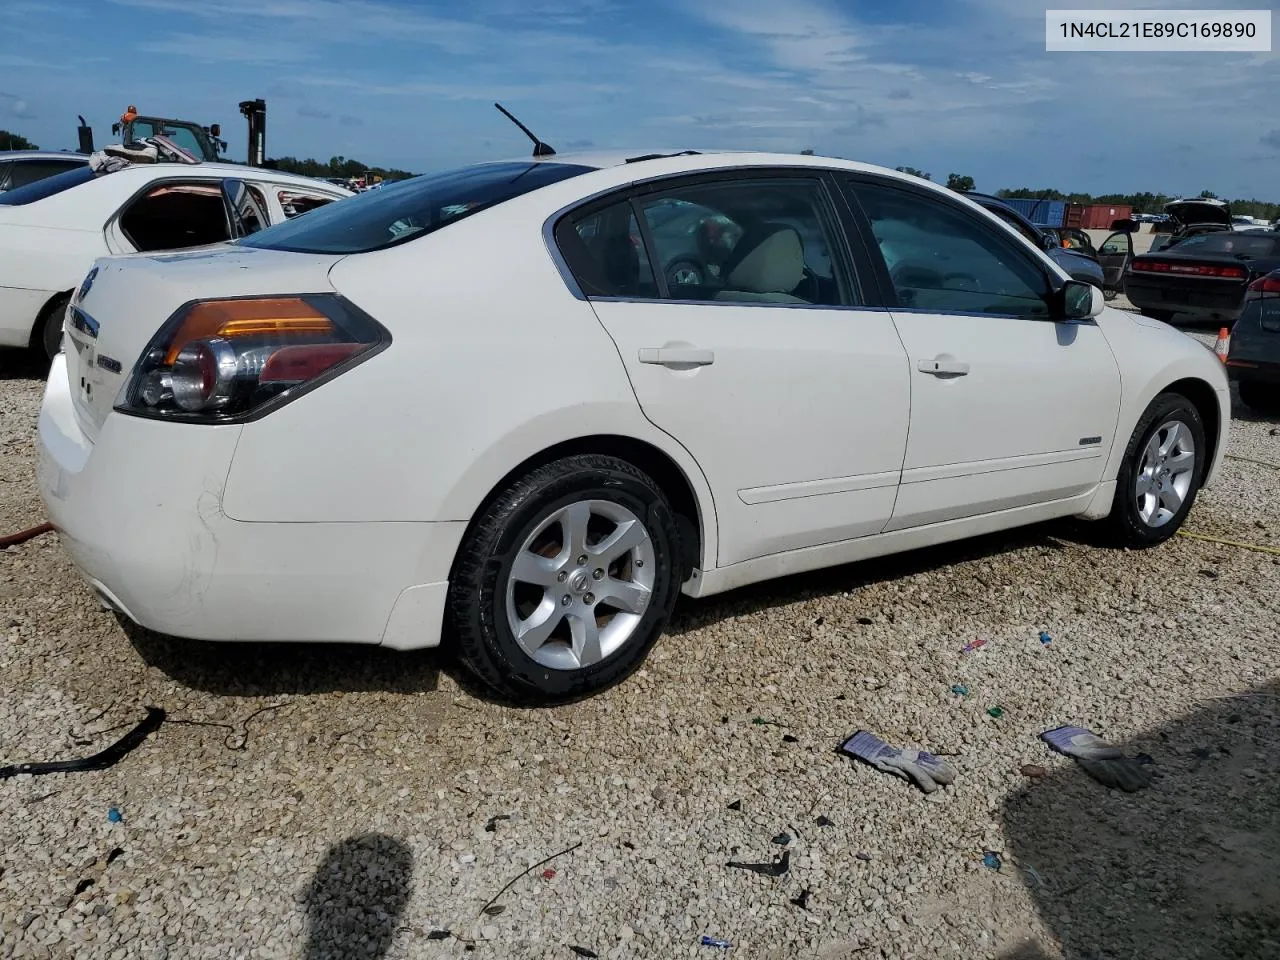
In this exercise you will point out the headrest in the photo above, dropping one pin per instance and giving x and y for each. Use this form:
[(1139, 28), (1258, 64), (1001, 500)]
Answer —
[(767, 259)]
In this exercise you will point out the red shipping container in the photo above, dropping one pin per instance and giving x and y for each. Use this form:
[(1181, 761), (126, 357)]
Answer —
[(1074, 217), (1100, 216)]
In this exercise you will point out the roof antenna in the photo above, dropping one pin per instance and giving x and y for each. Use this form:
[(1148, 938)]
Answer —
[(540, 149)]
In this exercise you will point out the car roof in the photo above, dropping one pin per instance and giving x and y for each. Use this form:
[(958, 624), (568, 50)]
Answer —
[(42, 155), (88, 205)]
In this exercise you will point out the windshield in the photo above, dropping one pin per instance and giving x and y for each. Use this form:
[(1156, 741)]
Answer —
[(47, 187), (411, 209), (1230, 244)]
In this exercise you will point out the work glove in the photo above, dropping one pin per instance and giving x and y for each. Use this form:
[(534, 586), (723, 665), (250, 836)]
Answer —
[(1105, 763), (924, 769)]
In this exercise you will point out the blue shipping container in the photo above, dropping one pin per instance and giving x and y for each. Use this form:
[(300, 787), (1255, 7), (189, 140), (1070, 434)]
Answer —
[(1046, 213)]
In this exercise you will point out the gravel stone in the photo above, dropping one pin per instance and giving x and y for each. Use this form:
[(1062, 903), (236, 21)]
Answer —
[(351, 821)]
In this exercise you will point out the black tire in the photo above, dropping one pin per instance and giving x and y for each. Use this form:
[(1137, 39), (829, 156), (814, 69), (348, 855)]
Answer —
[(1164, 315), (46, 338), (1261, 398), (1125, 524), (485, 643)]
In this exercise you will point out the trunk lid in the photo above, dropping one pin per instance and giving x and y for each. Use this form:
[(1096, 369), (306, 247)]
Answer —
[(1197, 212), (123, 301)]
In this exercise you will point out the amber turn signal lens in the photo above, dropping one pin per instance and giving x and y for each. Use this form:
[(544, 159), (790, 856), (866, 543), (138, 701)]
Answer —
[(273, 316)]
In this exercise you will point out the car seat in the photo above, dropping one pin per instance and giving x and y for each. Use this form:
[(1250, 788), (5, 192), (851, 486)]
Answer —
[(766, 265)]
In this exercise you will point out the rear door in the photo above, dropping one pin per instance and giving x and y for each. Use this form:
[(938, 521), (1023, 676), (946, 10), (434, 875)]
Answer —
[(1008, 408), (753, 344)]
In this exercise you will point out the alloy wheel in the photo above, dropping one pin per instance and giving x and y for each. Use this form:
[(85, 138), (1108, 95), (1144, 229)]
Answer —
[(580, 583), (1165, 473)]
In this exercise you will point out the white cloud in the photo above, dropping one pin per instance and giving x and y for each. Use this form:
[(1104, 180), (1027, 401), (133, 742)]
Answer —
[(202, 48)]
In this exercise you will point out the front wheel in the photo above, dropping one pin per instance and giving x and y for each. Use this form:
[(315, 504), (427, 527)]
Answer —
[(566, 580), (1161, 473)]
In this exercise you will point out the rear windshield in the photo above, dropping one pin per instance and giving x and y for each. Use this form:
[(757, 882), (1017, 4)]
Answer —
[(409, 209), (1230, 244), (47, 187)]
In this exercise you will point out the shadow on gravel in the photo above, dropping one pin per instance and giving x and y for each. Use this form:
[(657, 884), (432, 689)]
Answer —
[(22, 365), (1189, 868), (692, 613), (356, 897), (275, 669)]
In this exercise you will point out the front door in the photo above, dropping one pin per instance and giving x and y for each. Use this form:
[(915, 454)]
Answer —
[(1008, 408), (737, 315), (1114, 256)]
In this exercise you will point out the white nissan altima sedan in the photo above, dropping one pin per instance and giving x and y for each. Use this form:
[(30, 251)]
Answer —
[(522, 405)]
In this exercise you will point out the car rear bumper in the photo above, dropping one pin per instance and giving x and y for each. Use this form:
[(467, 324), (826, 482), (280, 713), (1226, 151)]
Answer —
[(1251, 371), (140, 513), (1204, 299)]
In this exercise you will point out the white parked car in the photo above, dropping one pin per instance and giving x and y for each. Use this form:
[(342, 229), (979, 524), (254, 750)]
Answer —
[(52, 231), (524, 404)]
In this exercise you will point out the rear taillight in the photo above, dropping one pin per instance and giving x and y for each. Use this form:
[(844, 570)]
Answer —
[(1269, 284), (224, 361), (1189, 269)]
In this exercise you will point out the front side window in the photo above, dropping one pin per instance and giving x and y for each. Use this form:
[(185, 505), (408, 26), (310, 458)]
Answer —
[(1018, 225), (295, 204), (174, 215), (740, 240), (941, 259), (377, 219)]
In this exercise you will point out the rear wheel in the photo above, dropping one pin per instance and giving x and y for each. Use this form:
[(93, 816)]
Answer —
[(47, 335), (1263, 398), (566, 580), (1161, 473)]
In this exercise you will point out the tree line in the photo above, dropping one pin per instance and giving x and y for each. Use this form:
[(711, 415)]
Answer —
[(344, 167)]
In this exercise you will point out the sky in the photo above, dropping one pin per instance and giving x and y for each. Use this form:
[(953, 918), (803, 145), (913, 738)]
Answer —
[(961, 86)]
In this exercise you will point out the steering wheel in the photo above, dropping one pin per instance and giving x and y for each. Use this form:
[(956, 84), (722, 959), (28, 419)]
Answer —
[(962, 281), (685, 273), (909, 274)]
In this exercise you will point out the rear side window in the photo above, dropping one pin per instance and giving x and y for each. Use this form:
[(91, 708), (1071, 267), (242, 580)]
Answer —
[(742, 240), (383, 218), (171, 216), (46, 187), (606, 253)]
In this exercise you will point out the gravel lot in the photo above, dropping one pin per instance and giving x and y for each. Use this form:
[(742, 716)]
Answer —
[(352, 818)]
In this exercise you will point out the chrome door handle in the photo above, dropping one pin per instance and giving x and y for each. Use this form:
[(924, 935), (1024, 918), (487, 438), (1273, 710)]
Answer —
[(677, 356), (943, 368)]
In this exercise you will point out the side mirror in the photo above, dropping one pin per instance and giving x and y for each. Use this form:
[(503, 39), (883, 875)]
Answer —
[(1049, 241), (1077, 301)]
